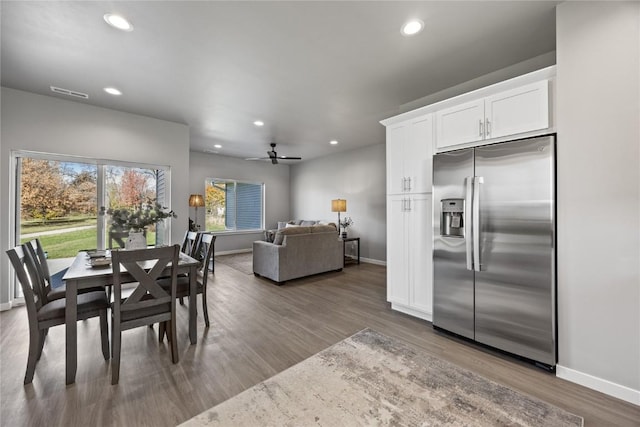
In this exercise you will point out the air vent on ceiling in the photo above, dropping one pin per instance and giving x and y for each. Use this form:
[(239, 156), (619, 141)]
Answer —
[(69, 92)]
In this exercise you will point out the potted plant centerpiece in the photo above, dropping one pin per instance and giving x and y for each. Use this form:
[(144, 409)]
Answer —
[(136, 220), (346, 223)]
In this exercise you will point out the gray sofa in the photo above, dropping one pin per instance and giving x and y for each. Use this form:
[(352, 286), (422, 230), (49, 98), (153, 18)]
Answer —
[(298, 252)]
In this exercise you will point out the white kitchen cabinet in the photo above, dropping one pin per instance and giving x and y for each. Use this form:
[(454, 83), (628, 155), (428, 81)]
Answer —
[(460, 124), (409, 151), (517, 110), (510, 112), (409, 254)]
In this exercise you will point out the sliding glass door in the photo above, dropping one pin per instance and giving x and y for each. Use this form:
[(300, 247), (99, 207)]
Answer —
[(58, 200)]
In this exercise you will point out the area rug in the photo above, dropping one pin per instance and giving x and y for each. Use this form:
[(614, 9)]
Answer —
[(242, 262), (371, 379)]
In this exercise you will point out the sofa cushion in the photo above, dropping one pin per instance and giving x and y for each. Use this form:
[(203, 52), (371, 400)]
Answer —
[(318, 228), (288, 232)]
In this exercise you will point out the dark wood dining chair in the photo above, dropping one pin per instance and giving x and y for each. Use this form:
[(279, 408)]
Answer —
[(54, 286), (207, 246), (190, 243), (43, 313), (149, 303)]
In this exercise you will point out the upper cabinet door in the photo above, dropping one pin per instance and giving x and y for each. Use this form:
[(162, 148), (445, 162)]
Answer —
[(514, 111), (396, 139), (417, 155), (460, 124)]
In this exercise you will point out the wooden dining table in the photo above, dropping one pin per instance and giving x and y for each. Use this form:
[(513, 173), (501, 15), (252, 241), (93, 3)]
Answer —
[(82, 275)]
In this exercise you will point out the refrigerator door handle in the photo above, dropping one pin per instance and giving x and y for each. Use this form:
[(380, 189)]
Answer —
[(475, 227), (468, 201)]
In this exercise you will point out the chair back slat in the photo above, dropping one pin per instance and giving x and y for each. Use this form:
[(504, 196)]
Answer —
[(41, 261), (38, 283)]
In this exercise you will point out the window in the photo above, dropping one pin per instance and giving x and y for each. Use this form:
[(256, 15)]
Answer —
[(58, 199), (232, 205)]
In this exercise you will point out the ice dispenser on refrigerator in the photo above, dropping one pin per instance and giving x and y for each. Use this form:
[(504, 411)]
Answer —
[(452, 224)]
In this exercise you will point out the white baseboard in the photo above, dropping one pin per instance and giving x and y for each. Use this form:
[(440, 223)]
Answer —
[(373, 261), (235, 251), (5, 306), (604, 386)]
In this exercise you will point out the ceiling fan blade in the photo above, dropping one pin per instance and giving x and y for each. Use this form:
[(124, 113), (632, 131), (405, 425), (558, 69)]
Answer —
[(289, 158), (257, 158)]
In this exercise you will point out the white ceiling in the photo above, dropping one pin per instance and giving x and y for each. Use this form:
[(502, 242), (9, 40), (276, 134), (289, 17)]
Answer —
[(312, 71)]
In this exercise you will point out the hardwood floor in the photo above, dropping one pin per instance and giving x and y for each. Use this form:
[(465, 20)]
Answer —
[(257, 330)]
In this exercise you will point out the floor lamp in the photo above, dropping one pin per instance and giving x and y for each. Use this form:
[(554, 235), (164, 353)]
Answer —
[(196, 201), (339, 205)]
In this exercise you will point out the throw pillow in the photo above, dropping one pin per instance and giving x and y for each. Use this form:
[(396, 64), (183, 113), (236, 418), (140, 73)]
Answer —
[(291, 225), (307, 223), (269, 235), (282, 224)]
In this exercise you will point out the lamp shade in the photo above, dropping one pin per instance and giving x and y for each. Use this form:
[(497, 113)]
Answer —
[(339, 205), (196, 200)]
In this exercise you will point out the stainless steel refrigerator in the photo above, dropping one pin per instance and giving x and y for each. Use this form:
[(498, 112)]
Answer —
[(494, 246)]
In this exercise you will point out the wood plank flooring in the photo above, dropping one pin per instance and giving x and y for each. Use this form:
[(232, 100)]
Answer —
[(257, 330)]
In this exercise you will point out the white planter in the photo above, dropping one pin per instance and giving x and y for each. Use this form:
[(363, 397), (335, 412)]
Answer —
[(136, 240)]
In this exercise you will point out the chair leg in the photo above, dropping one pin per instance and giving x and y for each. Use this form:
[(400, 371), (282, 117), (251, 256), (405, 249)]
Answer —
[(162, 328), (204, 309), (181, 301), (174, 341), (104, 334), (32, 358), (43, 335), (115, 360)]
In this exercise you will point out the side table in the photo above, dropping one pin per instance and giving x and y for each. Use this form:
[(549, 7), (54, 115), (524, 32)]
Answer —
[(344, 246)]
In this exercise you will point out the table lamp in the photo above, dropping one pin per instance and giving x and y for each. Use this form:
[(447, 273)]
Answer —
[(196, 201), (339, 205)]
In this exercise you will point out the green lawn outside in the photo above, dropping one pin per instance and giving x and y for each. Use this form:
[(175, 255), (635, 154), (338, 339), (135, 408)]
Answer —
[(67, 245)]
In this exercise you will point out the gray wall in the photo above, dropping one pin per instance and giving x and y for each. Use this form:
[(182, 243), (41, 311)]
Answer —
[(598, 79), (275, 178), (52, 125), (359, 176)]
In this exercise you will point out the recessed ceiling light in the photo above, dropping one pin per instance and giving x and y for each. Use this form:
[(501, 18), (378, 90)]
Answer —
[(333, 142), (117, 21), (258, 123), (217, 146), (112, 91), (412, 27)]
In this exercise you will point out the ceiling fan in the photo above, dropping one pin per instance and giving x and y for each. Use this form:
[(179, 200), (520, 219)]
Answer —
[(273, 156)]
